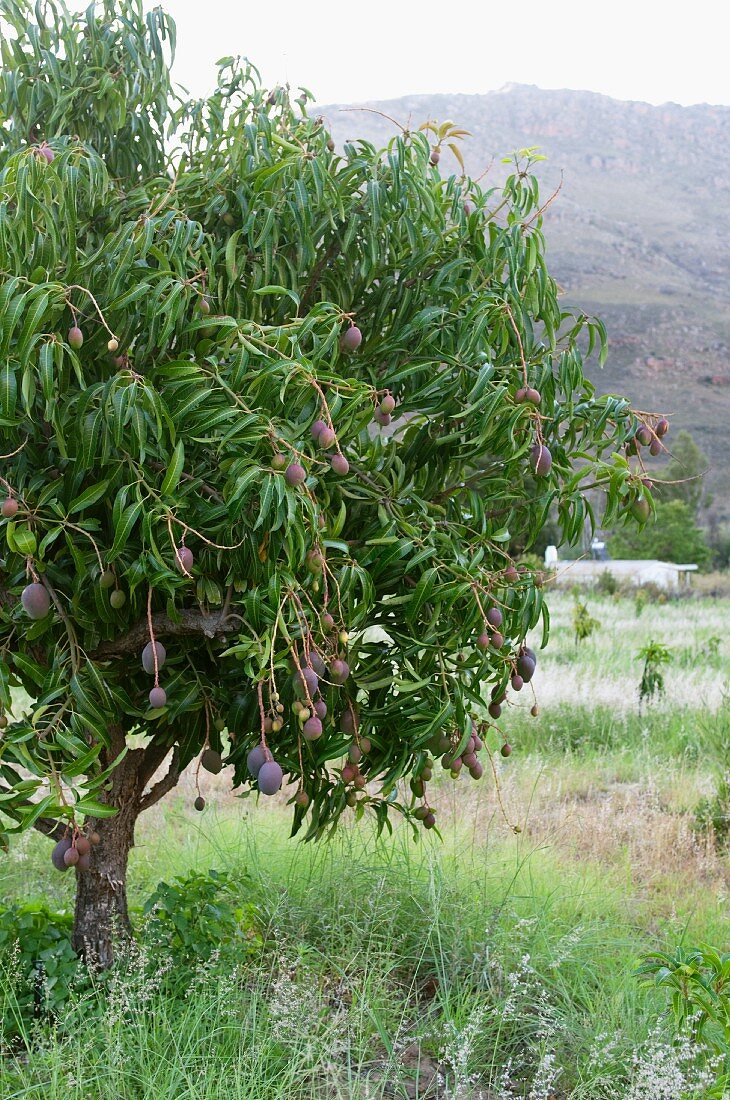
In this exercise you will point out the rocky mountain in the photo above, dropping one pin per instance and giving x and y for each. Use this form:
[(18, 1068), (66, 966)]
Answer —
[(639, 232)]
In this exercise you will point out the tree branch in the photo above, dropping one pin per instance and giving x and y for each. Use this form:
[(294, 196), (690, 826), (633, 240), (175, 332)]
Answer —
[(54, 830), (46, 825), (189, 624), (73, 644), (330, 253), (328, 256), (168, 781), (152, 756)]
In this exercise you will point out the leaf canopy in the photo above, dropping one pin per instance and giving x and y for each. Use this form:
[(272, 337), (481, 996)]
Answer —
[(224, 250)]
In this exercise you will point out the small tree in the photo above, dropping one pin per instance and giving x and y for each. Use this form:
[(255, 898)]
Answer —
[(583, 622), (672, 535), (256, 397), (654, 655), (718, 541)]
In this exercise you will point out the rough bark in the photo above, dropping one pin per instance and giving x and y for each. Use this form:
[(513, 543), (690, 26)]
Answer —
[(187, 624), (101, 916)]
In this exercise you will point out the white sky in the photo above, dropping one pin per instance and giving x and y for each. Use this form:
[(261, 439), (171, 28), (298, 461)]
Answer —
[(379, 49)]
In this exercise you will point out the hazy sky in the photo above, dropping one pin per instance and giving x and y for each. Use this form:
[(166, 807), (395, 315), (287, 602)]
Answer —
[(378, 49)]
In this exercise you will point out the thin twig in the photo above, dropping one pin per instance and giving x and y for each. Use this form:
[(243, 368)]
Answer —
[(372, 111), (545, 205)]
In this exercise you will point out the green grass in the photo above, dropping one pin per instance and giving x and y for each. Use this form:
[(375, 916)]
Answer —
[(405, 941), (496, 957)]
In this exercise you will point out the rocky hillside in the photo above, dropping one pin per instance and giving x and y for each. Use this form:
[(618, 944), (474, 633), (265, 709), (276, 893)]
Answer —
[(640, 232)]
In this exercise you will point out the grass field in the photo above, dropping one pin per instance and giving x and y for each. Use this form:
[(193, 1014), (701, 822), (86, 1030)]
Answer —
[(488, 964)]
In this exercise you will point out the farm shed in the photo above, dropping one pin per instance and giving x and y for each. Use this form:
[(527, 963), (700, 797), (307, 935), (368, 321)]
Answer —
[(664, 574)]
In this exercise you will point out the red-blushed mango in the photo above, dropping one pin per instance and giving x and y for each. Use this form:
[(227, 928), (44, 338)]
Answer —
[(256, 759), (295, 474), (184, 559), (339, 671), (36, 601), (148, 657), (158, 698), (351, 338), (541, 460), (270, 777)]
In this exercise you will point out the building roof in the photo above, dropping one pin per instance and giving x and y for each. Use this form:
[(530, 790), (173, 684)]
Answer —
[(623, 564)]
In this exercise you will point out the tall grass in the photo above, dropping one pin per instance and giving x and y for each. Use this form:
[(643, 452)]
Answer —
[(487, 963), (490, 963)]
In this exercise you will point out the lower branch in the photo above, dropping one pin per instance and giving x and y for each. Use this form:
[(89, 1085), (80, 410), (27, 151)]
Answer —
[(188, 624), (54, 830), (168, 781), (327, 257), (206, 490), (152, 756)]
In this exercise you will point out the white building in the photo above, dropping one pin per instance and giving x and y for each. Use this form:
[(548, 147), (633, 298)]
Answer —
[(664, 574)]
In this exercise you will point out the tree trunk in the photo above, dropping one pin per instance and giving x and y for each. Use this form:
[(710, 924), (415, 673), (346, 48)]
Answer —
[(101, 916)]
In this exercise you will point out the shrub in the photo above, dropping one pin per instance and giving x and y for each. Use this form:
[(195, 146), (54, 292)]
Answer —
[(199, 916), (38, 965), (672, 536), (583, 623), (696, 981), (193, 921), (641, 599), (533, 563), (682, 479), (607, 584), (706, 652), (654, 656)]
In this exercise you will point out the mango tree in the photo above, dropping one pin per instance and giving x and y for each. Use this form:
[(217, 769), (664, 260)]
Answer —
[(272, 416)]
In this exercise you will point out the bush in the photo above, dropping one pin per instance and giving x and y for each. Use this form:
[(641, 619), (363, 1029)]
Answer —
[(38, 965), (199, 918), (607, 584), (583, 622), (718, 539), (672, 536), (682, 478), (696, 982), (641, 599), (706, 652), (654, 656), (533, 562)]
